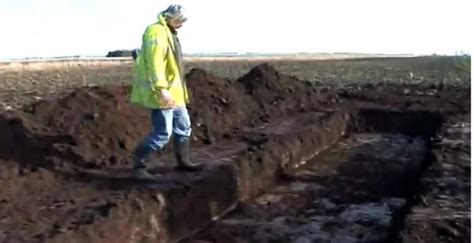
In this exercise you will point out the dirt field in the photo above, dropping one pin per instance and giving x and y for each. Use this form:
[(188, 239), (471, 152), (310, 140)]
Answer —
[(366, 150)]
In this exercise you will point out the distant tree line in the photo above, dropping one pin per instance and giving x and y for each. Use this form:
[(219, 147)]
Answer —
[(119, 53)]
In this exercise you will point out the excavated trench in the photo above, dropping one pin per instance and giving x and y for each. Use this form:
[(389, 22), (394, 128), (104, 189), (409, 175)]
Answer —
[(286, 161), (355, 190)]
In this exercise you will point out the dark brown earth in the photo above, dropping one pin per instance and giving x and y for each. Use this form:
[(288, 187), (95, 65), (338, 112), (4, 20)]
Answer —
[(64, 164)]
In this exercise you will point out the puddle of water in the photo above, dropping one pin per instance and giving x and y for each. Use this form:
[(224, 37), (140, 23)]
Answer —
[(367, 222), (361, 168)]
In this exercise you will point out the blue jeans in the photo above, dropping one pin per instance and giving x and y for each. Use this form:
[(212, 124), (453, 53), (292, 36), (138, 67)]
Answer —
[(167, 122)]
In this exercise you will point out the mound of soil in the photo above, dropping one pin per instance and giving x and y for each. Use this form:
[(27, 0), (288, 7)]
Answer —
[(216, 105), (97, 127), (277, 94), (93, 127)]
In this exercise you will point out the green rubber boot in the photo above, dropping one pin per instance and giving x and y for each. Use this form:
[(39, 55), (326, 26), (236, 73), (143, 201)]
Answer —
[(181, 150)]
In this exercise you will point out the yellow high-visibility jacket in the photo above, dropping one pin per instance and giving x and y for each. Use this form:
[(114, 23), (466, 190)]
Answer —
[(157, 68)]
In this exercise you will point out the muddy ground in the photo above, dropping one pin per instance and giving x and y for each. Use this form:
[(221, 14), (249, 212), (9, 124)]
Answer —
[(287, 160)]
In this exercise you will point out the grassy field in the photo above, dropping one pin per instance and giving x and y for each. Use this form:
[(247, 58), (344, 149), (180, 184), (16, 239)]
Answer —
[(413, 70)]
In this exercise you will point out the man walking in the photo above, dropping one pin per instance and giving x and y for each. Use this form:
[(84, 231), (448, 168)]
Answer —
[(160, 86)]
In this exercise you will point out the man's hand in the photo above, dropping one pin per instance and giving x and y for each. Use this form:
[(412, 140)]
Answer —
[(166, 98)]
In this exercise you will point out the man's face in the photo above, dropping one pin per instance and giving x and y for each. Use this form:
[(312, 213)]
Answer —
[(175, 23)]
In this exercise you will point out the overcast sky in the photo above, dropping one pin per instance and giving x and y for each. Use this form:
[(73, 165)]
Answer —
[(38, 28)]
